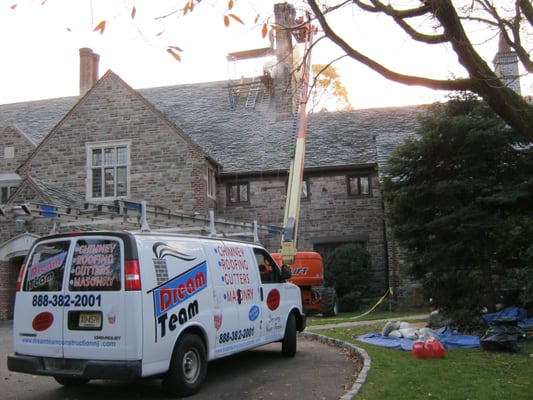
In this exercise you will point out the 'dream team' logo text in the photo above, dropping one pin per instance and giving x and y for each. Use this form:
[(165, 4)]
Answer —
[(42, 273), (180, 289), (46, 266)]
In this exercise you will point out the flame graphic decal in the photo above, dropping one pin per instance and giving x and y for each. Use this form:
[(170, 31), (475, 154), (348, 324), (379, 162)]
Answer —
[(162, 249)]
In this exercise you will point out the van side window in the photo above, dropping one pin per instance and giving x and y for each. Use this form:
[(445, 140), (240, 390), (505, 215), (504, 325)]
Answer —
[(268, 269), (95, 265), (46, 266)]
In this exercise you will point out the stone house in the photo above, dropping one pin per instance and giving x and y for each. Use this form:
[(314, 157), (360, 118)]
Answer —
[(167, 146), (215, 146)]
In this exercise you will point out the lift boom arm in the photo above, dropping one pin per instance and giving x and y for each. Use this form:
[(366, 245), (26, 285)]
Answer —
[(294, 188)]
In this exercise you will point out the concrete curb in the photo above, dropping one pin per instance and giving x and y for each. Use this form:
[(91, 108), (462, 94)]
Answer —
[(358, 352)]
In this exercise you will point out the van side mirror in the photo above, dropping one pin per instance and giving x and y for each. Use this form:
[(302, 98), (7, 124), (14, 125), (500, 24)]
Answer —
[(286, 273)]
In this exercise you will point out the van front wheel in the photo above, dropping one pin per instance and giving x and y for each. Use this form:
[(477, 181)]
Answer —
[(188, 366), (288, 344)]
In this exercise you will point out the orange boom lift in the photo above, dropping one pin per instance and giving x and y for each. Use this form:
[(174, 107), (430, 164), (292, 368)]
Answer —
[(306, 267)]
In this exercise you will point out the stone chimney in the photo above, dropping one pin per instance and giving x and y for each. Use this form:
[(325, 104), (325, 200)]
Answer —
[(506, 66), (284, 87), (284, 16), (88, 69)]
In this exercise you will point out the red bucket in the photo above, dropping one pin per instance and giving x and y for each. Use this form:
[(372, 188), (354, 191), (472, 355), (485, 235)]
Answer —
[(436, 348), (420, 350)]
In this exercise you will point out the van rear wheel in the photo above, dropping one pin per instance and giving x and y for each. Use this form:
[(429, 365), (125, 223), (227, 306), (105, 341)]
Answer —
[(288, 344), (188, 366), (70, 381)]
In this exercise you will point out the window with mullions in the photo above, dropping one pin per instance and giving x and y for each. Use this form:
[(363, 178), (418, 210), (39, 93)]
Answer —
[(238, 193), (108, 170), (359, 185), (6, 192)]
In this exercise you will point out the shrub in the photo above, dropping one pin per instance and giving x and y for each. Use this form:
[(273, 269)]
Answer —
[(348, 269)]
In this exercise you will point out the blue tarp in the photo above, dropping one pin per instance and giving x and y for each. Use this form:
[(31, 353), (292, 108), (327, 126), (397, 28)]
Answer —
[(511, 312), (448, 339)]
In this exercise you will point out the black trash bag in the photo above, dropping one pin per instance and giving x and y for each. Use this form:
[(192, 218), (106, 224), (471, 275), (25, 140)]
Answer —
[(503, 334)]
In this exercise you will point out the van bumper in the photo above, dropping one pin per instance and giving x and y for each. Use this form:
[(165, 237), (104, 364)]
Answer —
[(86, 369)]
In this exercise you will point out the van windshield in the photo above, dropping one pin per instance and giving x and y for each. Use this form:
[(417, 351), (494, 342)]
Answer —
[(46, 266)]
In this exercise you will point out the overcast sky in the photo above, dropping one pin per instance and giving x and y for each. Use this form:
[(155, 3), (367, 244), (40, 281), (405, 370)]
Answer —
[(40, 48)]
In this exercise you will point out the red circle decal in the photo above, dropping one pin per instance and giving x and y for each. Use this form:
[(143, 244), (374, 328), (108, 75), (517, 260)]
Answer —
[(42, 321), (273, 299)]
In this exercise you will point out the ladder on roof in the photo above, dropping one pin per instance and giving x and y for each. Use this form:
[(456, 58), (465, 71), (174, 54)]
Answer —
[(265, 99), (136, 216), (253, 93)]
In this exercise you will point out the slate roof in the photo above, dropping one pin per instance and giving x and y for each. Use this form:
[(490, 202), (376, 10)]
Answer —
[(36, 118), (251, 140), (246, 140), (360, 136)]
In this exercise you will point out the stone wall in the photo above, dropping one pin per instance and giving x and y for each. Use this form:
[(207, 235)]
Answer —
[(328, 217), (14, 149), (166, 167)]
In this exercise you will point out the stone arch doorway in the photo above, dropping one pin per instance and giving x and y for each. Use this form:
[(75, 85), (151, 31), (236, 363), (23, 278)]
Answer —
[(12, 253)]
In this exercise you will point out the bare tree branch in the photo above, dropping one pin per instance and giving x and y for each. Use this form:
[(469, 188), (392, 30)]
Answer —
[(378, 6), (508, 104), (527, 10), (482, 79), (399, 16), (458, 84), (512, 25)]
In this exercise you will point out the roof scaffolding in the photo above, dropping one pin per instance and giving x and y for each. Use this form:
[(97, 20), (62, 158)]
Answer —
[(122, 214)]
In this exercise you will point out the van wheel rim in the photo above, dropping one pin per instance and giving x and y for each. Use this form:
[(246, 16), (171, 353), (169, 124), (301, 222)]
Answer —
[(191, 366)]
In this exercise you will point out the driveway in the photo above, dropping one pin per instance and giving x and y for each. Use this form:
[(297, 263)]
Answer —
[(318, 371)]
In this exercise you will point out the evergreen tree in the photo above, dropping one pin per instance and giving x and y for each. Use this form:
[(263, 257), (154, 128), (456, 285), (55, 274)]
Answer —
[(459, 201)]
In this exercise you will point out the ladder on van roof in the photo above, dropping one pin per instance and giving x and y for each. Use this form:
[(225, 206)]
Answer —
[(122, 214)]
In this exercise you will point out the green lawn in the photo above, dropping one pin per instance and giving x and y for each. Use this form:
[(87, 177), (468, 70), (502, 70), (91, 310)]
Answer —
[(472, 374)]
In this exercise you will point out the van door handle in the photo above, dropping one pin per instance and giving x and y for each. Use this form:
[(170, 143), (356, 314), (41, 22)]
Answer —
[(239, 296), (261, 293)]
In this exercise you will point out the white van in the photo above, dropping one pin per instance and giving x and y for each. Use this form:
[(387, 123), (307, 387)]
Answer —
[(125, 305)]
